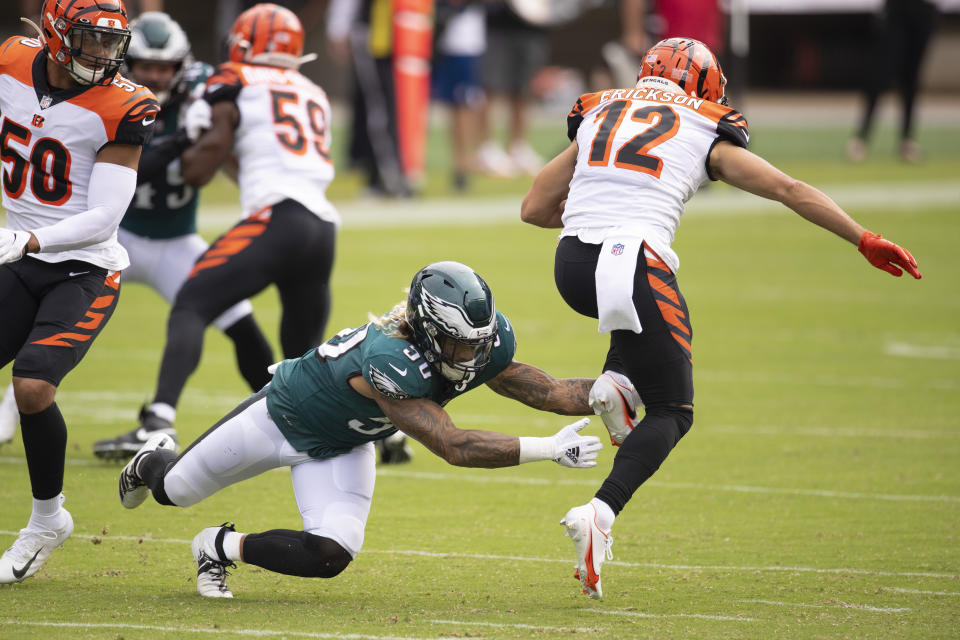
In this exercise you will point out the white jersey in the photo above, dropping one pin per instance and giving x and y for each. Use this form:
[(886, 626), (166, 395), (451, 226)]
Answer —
[(49, 142), (282, 143), (643, 153)]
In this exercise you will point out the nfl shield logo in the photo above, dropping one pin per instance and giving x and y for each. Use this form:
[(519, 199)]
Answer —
[(45, 102), (616, 249)]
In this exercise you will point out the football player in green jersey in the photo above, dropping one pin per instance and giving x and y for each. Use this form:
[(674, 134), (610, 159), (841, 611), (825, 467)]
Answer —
[(322, 412), (159, 229)]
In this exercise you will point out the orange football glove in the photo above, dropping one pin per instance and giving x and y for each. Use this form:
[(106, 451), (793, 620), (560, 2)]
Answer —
[(885, 255)]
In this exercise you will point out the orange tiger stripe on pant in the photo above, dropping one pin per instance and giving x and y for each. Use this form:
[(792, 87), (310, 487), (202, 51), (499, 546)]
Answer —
[(232, 242), (92, 319), (663, 284)]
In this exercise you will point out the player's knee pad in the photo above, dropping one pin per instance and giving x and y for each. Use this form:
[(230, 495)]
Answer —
[(296, 553), (326, 557), (340, 524)]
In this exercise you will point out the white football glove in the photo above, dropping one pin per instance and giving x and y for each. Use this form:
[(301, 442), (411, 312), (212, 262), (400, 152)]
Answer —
[(616, 401), (197, 119), (574, 450), (12, 244)]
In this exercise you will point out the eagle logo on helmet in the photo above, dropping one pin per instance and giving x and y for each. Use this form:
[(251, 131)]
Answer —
[(452, 318)]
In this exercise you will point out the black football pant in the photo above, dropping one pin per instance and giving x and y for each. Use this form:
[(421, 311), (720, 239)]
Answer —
[(50, 315), (285, 245), (657, 360)]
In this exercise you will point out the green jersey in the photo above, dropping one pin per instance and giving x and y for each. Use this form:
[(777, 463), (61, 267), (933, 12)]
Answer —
[(312, 403), (165, 207)]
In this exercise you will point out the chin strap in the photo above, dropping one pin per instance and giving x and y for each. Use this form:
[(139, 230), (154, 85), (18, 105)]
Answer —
[(33, 24)]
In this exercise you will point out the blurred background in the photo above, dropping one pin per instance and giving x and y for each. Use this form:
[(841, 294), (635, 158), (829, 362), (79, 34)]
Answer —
[(504, 73)]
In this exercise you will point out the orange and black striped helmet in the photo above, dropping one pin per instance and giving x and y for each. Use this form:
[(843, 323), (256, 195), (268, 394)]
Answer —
[(690, 64), (87, 37), (267, 34)]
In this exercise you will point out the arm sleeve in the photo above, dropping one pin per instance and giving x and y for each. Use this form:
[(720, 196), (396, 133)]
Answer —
[(109, 194), (154, 161)]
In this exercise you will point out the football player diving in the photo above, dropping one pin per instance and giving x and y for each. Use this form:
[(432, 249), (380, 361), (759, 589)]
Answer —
[(322, 412)]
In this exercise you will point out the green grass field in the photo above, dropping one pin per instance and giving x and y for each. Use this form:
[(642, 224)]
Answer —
[(817, 495)]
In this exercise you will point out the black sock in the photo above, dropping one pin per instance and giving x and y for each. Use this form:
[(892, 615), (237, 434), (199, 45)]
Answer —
[(153, 468), (254, 353), (295, 553), (45, 443), (642, 453), (181, 355)]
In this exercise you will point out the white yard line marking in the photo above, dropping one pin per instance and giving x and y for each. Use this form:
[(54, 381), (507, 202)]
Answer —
[(819, 493), (921, 592), (539, 482), (702, 616), (543, 627), (481, 556), (935, 352), (236, 632), (840, 605)]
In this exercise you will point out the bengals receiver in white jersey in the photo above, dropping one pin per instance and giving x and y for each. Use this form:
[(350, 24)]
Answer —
[(70, 143), (275, 124), (618, 191)]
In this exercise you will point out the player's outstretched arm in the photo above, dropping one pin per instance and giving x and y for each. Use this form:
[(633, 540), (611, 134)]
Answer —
[(538, 389), (745, 170), (543, 205), (426, 421), (199, 163)]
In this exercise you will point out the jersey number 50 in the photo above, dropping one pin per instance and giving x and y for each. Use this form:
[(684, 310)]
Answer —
[(633, 154), (49, 166)]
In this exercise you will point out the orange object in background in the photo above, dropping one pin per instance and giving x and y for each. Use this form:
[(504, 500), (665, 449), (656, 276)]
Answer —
[(412, 49)]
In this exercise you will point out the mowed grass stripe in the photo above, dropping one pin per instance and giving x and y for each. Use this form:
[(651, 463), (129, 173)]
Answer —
[(232, 632), (716, 200), (618, 563), (698, 486)]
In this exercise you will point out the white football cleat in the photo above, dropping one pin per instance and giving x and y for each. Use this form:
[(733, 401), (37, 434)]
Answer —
[(31, 549), (207, 548), (9, 416), (593, 546), (614, 398), (133, 491)]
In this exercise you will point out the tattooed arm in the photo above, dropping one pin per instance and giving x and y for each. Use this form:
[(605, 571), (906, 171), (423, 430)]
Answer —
[(427, 421), (538, 389)]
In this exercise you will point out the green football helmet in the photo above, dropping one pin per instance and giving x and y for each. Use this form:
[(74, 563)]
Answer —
[(450, 309), (156, 37)]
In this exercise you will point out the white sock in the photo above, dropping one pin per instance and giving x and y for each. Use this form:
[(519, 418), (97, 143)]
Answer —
[(231, 545), (47, 513), (605, 514), (163, 410)]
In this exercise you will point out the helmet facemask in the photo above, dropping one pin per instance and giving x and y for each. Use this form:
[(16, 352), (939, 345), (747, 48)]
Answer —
[(92, 54)]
